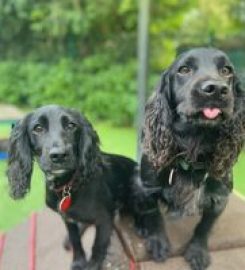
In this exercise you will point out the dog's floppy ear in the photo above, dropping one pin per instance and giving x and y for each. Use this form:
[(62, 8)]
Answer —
[(20, 160), (89, 152), (157, 135), (232, 136), (239, 94)]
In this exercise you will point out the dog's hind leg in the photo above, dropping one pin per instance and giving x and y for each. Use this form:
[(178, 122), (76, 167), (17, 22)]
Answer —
[(148, 220), (150, 225), (216, 198)]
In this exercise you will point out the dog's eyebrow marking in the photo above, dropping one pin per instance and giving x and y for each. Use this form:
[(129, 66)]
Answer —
[(190, 61), (65, 119), (43, 120), (221, 60)]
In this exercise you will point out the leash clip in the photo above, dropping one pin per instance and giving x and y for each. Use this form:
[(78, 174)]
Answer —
[(170, 178), (66, 191)]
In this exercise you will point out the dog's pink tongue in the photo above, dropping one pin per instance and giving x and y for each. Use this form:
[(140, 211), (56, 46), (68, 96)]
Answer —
[(211, 113)]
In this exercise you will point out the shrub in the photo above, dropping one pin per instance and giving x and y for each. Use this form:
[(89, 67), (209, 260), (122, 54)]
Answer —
[(97, 87)]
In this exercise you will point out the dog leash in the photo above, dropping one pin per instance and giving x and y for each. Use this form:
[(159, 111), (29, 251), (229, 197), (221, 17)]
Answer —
[(2, 243), (132, 265), (32, 241), (31, 245)]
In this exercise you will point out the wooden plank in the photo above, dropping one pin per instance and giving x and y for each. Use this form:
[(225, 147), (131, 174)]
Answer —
[(49, 250), (228, 232), (232, 259)]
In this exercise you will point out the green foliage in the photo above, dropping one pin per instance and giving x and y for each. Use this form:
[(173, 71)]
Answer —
[(104, 90), (194, 23), (51, 29), (166, 21), (82, 53), (205, 24)]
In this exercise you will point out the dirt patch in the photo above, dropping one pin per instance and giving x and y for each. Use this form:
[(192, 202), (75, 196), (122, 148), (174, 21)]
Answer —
[(9, 112), (3, 145)]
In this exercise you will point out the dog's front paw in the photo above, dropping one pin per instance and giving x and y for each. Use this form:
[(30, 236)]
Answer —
[(67, 244), (78, 264), (92, 265), (158, 247), (197, 256), (141, 231)]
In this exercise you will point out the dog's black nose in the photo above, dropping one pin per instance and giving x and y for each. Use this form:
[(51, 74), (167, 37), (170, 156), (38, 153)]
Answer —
[(210, 88), (57, 155)]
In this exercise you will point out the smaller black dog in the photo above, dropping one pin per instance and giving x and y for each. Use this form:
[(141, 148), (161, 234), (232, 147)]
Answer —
[(83, 184)]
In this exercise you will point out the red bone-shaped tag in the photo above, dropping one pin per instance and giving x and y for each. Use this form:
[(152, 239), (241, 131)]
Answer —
[(65, 203)]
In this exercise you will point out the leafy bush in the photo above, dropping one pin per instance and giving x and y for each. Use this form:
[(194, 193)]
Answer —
[(101, 89)]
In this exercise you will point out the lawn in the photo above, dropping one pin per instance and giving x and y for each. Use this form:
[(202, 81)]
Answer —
[(113, 139), (239, 175), (4, 129)]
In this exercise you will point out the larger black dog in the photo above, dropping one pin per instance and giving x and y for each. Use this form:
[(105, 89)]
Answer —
[(83, 184), (193, 133)]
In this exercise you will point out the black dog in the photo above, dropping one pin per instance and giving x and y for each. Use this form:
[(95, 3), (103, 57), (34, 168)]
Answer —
[(83, 184), (193, 133)]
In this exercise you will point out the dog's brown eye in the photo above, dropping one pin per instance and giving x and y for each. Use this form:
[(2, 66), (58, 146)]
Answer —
[(71, 126), (38, 129), (184, 70), (226, 71)]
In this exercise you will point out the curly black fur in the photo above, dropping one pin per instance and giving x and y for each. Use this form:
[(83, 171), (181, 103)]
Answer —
[(20, 160), (89, 153), (66, 148), (159, 142), (188, 152)]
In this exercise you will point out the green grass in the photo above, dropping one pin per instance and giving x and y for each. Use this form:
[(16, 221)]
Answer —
[(13, 212), (117, 140), (113, 140), (4, 130), (239, 174)]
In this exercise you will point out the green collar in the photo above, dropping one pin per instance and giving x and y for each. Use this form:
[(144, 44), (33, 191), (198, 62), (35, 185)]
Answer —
[(184, 164), (187, 165)]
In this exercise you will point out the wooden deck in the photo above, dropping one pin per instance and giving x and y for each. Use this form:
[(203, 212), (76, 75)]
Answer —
[(227, 243)]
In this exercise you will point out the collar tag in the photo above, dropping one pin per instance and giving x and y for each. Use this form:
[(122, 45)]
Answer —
[(66, 200)]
